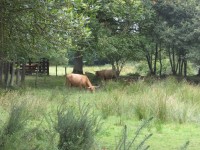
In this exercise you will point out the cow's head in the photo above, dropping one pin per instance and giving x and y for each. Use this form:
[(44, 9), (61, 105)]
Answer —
[(97, 73), (92, 88)]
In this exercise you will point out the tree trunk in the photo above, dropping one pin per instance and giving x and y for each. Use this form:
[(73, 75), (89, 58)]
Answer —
[(65, 70), (178, 66), (23, 73), (78, 63), (12, 73), (149, 61), (181, 68), (18, 78), (47, 63), (116, 67), (56, 70), (185, 67), (2, 43), (198, 72), (113, 65), (172, 61), (1, 73), (160, 59), (155, 60), (7, 73)]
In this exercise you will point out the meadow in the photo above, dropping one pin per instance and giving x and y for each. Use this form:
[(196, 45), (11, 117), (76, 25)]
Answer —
[(117, 105)]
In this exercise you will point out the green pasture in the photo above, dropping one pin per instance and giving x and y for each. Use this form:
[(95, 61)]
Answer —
[(174, 106)]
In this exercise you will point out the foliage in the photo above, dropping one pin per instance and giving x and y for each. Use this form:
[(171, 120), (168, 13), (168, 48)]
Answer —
[(118, 50), (25, 28), (117, 34), (168, 30), (43, 29), (142, 68), (117, 30)]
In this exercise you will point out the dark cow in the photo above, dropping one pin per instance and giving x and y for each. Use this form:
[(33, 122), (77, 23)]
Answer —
[(106, 74)]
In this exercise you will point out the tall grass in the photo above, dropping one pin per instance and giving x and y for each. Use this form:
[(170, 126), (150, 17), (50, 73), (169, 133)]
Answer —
[(166, 100)]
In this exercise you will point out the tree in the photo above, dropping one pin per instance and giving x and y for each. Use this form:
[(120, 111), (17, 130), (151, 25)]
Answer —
[(117, 50), (172, 30), (149, 39), (194, 53), (33, 29), (118, 31), (84, 12)]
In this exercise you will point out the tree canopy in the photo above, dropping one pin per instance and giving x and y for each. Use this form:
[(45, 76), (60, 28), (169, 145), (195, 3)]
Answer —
[(114, 30)]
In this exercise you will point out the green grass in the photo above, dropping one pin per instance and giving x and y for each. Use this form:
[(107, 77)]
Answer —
[(174, 106), (171, 136)]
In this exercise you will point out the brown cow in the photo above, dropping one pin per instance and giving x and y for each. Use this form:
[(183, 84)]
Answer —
[(79, 80), (106, 74)]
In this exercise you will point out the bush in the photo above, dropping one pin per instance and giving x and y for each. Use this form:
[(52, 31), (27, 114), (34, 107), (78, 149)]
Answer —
[(76, 130), (16, 123), (142, 68), (19, 132)]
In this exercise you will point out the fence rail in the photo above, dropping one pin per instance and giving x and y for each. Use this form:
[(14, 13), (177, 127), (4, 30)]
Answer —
[(37, 67)]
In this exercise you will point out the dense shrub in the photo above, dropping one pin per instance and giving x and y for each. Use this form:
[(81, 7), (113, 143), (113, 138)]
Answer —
[(19, 132), (15, 124), (76, 129)]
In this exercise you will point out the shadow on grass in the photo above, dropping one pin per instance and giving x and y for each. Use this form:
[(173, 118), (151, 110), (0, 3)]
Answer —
[(45, 82)]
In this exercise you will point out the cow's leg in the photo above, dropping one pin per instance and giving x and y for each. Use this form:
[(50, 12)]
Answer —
[(81, 87), (67, 83)]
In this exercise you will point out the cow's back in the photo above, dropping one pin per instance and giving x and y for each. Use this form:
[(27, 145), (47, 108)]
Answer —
[(109, 74), (75, 79), (106, 74), (100, 73)]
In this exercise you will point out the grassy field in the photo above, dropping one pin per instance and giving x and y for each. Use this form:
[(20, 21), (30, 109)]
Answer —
[(174, 106)]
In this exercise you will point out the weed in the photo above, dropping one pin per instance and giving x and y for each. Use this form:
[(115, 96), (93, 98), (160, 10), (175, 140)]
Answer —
[(124, 144)]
